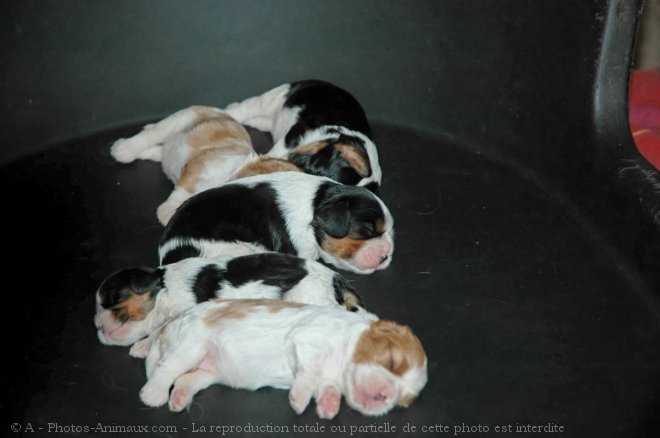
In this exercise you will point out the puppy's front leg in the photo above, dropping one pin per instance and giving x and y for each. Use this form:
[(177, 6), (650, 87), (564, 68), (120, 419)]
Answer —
[(302, 391), (171, 365), (187, 385), (167, 209), (328, 400)]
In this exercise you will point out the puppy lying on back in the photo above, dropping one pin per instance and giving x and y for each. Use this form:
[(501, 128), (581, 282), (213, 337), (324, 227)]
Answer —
[(288, 212), (200, 147), (317, 352), (317, 126), (132, 303)]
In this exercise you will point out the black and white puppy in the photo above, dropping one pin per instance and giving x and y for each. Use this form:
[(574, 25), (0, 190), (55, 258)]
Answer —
[(132, 303), (289, 212), (317, 126)]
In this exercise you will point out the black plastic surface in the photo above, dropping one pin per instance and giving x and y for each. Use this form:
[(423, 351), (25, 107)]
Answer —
[(527, 257)]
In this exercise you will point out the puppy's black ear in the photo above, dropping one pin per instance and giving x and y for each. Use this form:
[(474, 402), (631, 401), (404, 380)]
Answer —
[(122, 284), (334, 218), (146, 280)]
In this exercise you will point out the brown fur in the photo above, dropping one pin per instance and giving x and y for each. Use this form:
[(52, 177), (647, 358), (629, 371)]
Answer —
[(406, 400), (311, 148), (357, 158), (390, 345), (265, 165), (239, 309), (211, 129), (380, 226), (351, 301), (134, 308), (213, 134), (343, 248)]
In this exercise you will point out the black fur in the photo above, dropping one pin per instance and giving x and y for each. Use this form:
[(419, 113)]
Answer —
[(341, 210), (207, 283), (342, 287), (231, 213), (372, 187), (281, 270), (122, 284), (329, 162), (180, 253), (323, 104)]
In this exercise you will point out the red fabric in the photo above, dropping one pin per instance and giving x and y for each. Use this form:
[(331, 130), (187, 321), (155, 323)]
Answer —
[(645, 113)]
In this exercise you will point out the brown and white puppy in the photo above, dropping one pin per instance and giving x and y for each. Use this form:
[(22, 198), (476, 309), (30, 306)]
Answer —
[(289, 212), (315, 352), (199, 147), (132, 303), (317, 126)]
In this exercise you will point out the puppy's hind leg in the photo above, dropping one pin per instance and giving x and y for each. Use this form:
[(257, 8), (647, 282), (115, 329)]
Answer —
[(126, 150), (154, 153), (187, 385), (260, 111)]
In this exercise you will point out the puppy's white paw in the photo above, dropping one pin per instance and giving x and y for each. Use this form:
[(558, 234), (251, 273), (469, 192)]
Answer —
[(327, 405), (153, 395), (165, 211), (299, 399), (123, 150), (140, 349), (179, 399)]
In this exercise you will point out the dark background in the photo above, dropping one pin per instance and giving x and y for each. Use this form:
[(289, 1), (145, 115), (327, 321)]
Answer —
[(528, 255)]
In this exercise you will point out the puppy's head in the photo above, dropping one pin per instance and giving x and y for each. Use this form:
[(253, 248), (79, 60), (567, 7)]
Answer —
[(345, 159), (123, 305), (353, 228), (388, 368)]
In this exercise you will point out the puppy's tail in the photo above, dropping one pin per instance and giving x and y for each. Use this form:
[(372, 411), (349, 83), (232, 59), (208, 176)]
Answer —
[(260, 111), (345, 295)]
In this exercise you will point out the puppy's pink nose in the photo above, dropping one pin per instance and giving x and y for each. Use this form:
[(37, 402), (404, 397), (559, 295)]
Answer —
[(384, 258), (101, 329)]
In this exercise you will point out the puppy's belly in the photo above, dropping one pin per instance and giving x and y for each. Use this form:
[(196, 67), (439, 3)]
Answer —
[(247, 368)]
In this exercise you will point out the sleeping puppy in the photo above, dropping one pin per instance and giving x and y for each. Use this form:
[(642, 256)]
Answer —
[(319, 352), (317, 126), (132, 303), (200, 147), (288, 212)]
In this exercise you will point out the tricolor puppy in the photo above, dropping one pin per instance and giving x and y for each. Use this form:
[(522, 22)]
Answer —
[(200, 147), (319, 352), (317, 126), (132, 303), (288, 212)]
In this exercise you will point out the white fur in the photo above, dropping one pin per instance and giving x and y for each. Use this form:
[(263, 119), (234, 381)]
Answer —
[(211, 248), (307, 349), (177, 296)]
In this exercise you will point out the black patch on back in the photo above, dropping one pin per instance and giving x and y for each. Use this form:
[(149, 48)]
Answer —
[(341, 287), (122, 284), (180, 253), (232, 213), (323, 104), (207, 283), (341, 210), (281, 270)]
